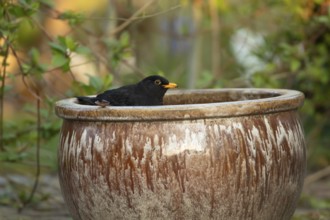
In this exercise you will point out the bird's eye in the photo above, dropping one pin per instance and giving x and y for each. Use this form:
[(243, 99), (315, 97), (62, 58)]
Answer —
[(158, 82)]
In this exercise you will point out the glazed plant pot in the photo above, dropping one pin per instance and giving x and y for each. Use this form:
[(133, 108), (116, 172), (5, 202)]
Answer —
[(205, 154)]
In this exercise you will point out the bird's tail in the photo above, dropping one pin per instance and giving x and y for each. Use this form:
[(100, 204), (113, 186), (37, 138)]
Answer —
[(86, 100)]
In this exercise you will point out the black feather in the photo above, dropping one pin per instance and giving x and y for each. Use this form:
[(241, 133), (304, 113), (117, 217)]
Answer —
[(149, 91)]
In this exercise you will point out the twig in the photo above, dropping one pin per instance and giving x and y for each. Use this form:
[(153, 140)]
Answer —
[(11, 184), (23, 73), (49, 37), (2, 93), (134, 68), (58, 13), (56, 68), (132, 18), (38, 98), (316, 176), (36, 182), (138, 17), (99, 57), (216, 54), (194, 59)]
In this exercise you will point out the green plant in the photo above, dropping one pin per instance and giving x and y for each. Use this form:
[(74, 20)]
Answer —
[(28, 142), (297, 57), (294, 51)]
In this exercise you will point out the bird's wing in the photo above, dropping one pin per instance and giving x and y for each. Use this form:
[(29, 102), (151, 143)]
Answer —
[(119, 97), (86, 100)]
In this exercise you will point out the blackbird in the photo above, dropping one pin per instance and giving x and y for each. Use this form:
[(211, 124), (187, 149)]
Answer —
[(149, 91)]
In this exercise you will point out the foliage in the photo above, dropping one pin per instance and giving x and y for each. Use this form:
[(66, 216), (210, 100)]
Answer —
[(296, 56), (34, 133), (192, 44)]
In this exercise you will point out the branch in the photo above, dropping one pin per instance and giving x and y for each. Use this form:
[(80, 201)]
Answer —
[(2, 92), (317, 176), (23, 74), (132, 18), (137, 18), (134, 68), (215, 41), (36, 181), (49, 37)]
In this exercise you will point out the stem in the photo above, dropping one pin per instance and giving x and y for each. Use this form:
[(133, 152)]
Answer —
[(215, 41), (132, 18), (316, 176), (194, 59), (2, 94), (36, 182), (24, 74)]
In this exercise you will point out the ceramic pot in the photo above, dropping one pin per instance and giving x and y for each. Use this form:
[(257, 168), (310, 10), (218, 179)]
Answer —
[(205, 154)]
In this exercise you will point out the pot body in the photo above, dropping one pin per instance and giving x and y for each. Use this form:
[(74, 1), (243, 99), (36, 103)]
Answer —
[(239, 167)]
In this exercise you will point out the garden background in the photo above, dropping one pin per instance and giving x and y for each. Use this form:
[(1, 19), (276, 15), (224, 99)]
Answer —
[(54, 49)]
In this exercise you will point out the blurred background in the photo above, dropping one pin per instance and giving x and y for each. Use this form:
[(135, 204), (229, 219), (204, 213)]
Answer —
[(54, 49)]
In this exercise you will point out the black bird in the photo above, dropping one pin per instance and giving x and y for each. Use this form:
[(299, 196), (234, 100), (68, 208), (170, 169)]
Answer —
[(149, 91)]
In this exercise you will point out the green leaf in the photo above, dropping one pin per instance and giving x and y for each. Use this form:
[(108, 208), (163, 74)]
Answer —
[(35, 5), (73, 18), (124, 39), (64, 45), (26, 68), (60, 60), (17, 11), (323, 20), (24, 8), (107, 81), (83, 50), (70, 43), (35, 55), (56, 47), (95, 82), (294, 65)]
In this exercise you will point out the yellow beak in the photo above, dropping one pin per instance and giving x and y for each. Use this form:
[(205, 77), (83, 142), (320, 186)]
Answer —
[(170, 86)]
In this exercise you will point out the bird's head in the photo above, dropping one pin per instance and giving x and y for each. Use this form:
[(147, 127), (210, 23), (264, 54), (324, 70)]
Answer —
[(157, 84)]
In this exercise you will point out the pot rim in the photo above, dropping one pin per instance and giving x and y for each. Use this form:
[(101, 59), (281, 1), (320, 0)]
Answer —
[(278, 100)]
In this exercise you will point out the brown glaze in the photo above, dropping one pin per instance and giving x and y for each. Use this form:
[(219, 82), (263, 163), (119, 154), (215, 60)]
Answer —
[(183, 162)]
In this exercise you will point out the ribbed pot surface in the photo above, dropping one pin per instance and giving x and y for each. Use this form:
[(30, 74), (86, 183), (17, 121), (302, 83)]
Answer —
[(206, 154)]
